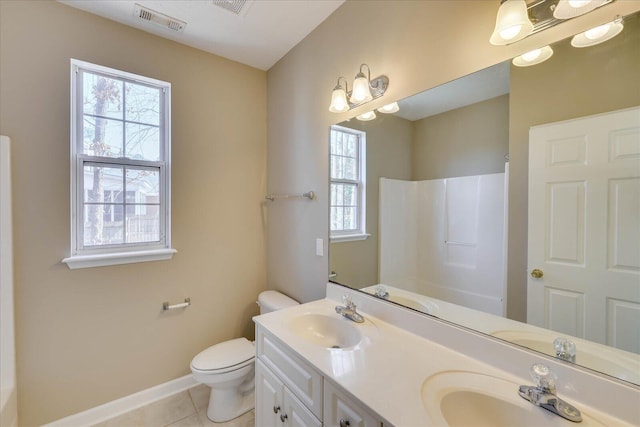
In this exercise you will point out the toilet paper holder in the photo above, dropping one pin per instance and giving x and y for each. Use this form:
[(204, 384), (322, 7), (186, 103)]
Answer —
[(186, 303)]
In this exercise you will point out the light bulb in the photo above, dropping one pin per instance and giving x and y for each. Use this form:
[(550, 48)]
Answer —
[(511, 32), (361, 92), (369, 115), (578, 3), (532, 55), (339, 102), (597, 32), (389, 108)]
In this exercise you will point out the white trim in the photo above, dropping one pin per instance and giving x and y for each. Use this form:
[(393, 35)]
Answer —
[(349, 237), (125, 404), (81, 256), (106, 259)]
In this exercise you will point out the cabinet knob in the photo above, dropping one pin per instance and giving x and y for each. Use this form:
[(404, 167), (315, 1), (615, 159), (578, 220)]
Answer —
[(344, 423), (276, 409), (536, 274), (283, 417)]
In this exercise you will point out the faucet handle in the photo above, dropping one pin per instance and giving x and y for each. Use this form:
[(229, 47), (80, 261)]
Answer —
[(346, 300), (544, 377), (565, 349)]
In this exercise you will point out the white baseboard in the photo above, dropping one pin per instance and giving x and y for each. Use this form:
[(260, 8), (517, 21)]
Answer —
[(125, 404)]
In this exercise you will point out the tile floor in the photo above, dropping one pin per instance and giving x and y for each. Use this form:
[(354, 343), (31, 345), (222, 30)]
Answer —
[(184, 409)]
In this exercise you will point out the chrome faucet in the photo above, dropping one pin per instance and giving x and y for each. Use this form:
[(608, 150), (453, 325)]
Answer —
[(543, 394), (565, 349), (381, 292), (349, 310)]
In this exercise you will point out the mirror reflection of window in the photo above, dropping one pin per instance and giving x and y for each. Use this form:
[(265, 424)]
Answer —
[(347, 208)]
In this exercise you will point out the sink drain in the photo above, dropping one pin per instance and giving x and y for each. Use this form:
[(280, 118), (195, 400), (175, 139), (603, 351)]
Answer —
[(335, 346)]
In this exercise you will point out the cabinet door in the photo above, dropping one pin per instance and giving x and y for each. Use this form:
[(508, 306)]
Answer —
[(342, 411), (297, 414), (269, 397)]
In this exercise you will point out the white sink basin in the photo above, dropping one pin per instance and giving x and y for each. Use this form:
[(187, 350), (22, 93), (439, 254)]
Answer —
[(617, 363), (469, 399), (326, 331)]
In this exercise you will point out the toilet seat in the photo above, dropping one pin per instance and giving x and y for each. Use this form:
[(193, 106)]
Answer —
[(225, 357)]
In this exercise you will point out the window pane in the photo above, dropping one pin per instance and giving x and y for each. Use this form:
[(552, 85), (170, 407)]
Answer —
[(102, 96), (350, 168), (102, 137), (142, 104), (100, 179), (351, 147), (144, 224), (103, 225), (336, 218), (350, 219), (349, 195), (145, 185), (142, 142)]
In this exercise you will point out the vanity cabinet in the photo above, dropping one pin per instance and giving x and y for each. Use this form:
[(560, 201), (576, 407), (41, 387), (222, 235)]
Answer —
[(276, 405), (291, 392), (340, 410)]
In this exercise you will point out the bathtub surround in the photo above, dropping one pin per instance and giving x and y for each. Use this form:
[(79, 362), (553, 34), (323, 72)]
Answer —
[(106, 326)]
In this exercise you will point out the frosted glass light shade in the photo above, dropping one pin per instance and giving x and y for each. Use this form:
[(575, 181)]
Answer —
[(389, 108), (369, 115), (339, 102), (361, 92), (512, 23), (598, 34), (567, 9), (533, 57)]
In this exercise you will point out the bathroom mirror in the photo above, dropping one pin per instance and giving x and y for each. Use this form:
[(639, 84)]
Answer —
[(453, 140)]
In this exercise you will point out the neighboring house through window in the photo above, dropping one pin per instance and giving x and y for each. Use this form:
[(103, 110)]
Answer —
[(348, 179), (120, 167)]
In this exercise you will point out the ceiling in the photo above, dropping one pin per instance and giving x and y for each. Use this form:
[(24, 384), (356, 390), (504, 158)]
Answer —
[(259, 34)]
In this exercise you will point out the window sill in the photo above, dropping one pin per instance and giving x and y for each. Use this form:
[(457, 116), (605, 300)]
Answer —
[(349, 238), (103, 260)]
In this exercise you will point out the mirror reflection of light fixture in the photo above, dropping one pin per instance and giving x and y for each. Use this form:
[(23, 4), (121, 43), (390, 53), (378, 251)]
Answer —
[(369, 115), (567, 9), (389, 108), (599, 34), (512, 23), (364, 90), (533, 57), (339, 103)]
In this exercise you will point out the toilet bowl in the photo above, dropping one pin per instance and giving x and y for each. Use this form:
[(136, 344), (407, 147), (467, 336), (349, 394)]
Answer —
[(228, 367)]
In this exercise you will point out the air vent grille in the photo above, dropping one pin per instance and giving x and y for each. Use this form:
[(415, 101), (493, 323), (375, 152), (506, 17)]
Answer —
[(237, 7), (158, 18)]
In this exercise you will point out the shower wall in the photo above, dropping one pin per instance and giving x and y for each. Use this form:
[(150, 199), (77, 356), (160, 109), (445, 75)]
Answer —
[(445, 238)]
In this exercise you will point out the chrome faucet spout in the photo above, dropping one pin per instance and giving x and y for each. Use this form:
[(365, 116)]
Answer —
[(543, 394), (349, 310)]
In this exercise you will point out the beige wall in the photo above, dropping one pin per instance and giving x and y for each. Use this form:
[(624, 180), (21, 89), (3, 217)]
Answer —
[(419, 45), (85, 337), (388, 155), (573, 83), (471, 140)]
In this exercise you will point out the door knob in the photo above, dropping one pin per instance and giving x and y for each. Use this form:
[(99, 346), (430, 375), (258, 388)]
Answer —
[(536, 274)]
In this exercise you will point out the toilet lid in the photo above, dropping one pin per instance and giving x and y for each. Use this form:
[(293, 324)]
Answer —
[(224, 355)]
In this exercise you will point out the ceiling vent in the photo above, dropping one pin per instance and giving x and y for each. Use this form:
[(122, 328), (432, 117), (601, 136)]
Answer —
[(237, 7), (146, 14)]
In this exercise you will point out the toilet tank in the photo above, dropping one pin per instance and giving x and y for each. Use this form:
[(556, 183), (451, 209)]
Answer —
[(273, 300)]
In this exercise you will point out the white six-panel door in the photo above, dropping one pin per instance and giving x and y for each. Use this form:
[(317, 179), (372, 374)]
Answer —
[(584, 228)]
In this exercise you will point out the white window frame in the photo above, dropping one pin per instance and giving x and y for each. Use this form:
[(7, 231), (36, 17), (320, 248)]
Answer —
[(126, 253), (337, 236)]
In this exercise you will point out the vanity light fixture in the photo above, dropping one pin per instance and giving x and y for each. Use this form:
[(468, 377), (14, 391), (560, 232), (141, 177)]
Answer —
[(599, 34), (389, 108), (518, 19), (533, 57), (512, 23), (365, 117), (567, 9), (364, 90)]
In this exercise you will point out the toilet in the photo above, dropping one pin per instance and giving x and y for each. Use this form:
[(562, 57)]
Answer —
[(228, 367)]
